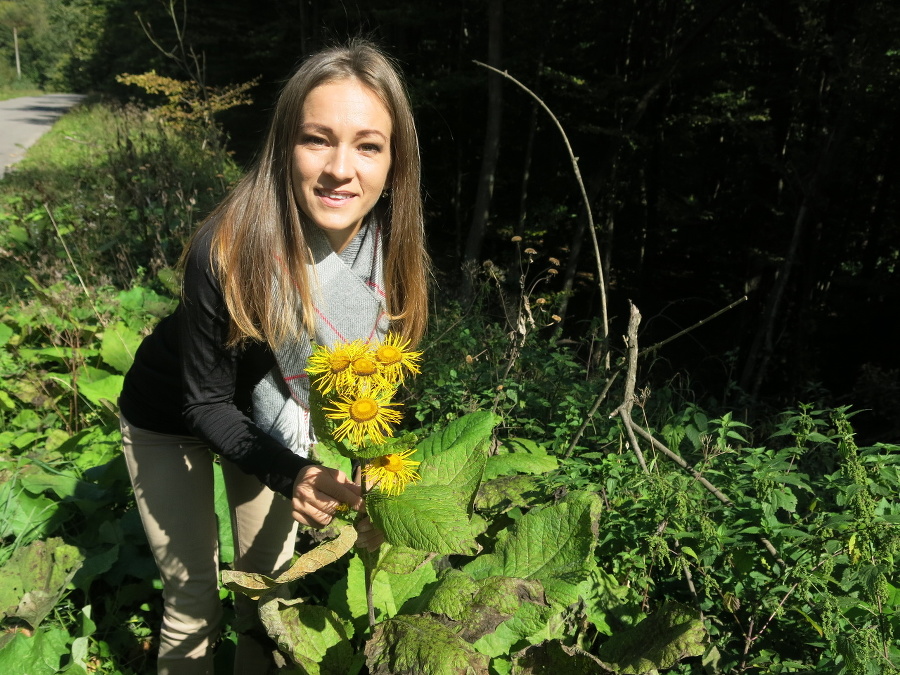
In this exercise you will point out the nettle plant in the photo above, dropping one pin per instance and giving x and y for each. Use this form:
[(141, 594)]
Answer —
[(483, 570)]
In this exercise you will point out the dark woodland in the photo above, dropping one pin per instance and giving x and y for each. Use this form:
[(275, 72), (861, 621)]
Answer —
[(727, 148)]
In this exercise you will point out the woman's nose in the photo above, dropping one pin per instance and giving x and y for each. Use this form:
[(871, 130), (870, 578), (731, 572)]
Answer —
[(340, 163)]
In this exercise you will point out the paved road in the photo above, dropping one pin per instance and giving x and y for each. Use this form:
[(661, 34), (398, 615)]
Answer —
[(24, 120)]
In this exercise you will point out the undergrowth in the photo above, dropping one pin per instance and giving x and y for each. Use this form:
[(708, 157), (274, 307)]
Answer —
[(789, 564)]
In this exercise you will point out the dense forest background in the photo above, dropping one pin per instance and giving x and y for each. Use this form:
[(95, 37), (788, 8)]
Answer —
[(728, 148)]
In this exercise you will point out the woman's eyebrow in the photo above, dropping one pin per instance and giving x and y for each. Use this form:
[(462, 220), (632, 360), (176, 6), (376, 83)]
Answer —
[(324, 129), (371, 132), (310, 126)]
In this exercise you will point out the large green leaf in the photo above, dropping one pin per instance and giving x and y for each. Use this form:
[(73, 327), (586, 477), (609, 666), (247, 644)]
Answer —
[(107, 388), (513, 463), (672, 633), (27, 516), (469, 431), (119, 345), (331, 458), (314, 637), (428, 518), (400, 559), (607, 602), (223, 516), (421, 645), (35, 577), (39, 654), (389, 591), (458, 469), (554, 545), (507, 492), (433, 514), (5, 334), (520, 455), (530, 625), (39, 478), (479, 606)]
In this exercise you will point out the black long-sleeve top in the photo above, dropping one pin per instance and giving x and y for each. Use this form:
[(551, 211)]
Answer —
[(185, 381)]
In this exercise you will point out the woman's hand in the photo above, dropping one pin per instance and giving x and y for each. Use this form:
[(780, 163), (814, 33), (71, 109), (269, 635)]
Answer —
[(368, 536), (318, 491)]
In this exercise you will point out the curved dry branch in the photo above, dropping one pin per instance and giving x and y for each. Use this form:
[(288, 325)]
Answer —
[(587, 203)]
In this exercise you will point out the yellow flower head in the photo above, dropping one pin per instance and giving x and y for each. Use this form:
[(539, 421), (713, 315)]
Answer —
[(367, 376), (392, 473), (395, 358), (366, 419), (333, 365)]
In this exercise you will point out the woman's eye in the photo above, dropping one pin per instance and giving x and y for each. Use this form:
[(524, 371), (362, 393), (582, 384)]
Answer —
[(371, 148), (313, 140)]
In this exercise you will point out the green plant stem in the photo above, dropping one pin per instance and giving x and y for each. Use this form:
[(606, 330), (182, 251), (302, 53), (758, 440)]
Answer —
[(367, 556), (587, 419), (84, 287), (750, 638)]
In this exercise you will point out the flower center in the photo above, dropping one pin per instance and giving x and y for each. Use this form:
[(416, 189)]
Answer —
[(364, 410), (338, 363), (364, 367), (393, 463), (389, 354)]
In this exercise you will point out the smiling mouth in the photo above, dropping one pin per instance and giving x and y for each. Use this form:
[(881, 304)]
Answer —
[(332, 194)]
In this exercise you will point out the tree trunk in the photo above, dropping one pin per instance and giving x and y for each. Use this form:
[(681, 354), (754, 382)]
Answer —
[(16, 43), (491, 146), (526, 170), (757, 364)]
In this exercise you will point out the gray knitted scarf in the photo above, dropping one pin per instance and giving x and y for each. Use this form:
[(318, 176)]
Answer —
[(349, 301)]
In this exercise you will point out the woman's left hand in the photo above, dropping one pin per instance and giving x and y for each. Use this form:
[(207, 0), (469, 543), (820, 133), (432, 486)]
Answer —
[(318, 491), (368, 537)]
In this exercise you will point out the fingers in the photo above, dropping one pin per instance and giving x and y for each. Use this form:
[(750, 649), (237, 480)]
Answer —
[(318, 491), (368, 537)]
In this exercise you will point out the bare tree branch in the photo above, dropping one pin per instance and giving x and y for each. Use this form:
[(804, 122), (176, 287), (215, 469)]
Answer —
[(587, 202)]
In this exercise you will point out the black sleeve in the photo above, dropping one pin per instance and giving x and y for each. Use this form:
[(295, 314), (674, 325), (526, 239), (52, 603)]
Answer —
[(210, 374)]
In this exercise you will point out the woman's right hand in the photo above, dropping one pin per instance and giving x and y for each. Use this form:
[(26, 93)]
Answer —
[(317, 493)]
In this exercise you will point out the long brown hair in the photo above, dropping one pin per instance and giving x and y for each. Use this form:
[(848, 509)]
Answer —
[(259, 235)]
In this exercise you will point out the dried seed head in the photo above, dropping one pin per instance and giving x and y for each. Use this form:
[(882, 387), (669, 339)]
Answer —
[(516, 239), (530, 251)]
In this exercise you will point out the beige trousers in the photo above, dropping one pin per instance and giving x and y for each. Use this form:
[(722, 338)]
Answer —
[(173, 485)]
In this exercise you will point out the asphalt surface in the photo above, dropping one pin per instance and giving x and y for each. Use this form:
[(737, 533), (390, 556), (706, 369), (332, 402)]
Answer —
[(24, 120)]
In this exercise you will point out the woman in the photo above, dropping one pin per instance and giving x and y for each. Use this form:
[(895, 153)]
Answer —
[(321, 241)]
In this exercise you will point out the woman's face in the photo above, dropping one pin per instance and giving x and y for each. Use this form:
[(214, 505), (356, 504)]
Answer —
[(343, 157)]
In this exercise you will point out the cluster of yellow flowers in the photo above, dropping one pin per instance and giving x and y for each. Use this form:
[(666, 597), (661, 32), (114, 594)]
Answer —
[(361, 378)]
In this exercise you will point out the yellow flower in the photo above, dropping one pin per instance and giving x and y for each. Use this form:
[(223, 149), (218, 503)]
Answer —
[(333, 365), (367, 376), (365, 419), (394, 356), (392, 473)]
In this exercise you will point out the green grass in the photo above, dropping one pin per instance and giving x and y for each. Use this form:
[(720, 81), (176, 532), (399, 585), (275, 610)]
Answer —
[(6, 94), (78, 140), (124, 189), (10, 87)]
